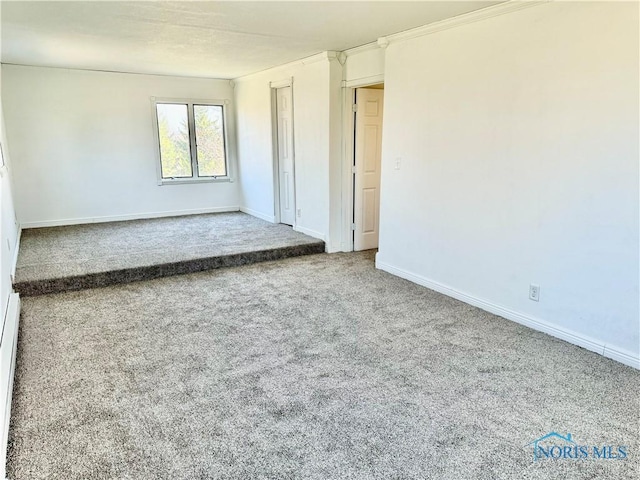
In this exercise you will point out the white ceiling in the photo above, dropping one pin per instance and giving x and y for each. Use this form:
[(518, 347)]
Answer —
[(204, 39)]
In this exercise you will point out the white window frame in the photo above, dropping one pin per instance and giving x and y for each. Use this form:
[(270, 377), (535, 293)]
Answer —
[(195, 178)]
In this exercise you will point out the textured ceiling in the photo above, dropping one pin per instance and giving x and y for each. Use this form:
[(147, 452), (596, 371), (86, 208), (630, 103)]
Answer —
[(205, 39)]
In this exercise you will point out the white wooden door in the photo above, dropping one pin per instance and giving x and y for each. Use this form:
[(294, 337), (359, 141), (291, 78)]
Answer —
[(368, 144), (284, 114)]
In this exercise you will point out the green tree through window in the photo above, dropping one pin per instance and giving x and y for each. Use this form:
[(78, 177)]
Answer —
[(177, 159), (210, 140), (173, 131)]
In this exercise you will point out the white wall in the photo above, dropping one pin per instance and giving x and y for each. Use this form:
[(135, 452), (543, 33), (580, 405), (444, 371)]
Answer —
[(9, 304), (8, 223), (83, 147), (316, 82), (336, 172), (518, 139), (365, 63)]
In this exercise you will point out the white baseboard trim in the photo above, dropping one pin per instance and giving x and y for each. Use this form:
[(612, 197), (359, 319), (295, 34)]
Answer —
[(14, 260), (575, 338), (334, 248), (8, 346), (308, 231), (257, 214), (622, 356), (132, 216)]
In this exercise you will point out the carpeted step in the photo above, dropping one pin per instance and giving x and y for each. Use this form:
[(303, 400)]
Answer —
[(149, 272)]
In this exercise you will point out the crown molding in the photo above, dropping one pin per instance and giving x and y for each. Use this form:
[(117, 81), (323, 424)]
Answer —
[(362, 48), (464, 19), (328, 56), (383, 42)]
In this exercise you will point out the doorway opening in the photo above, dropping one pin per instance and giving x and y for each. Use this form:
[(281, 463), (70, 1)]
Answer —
[(367, 159), (284, 164)]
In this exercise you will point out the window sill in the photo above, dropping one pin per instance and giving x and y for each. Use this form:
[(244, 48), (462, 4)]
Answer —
[(182, 181)]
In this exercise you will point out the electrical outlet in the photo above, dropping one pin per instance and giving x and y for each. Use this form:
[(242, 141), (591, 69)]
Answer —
[(398, 162), (534, 292), (299, 212)]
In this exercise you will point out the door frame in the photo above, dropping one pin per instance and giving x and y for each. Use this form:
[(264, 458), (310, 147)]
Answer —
[(348, 155), (274, 86)]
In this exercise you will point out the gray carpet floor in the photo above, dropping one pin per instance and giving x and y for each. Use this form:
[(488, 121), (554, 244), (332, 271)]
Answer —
[(316, 367), (76, 250)]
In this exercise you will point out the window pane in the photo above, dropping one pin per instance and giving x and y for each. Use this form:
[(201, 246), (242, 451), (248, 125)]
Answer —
[(210, 140), (175, 150)]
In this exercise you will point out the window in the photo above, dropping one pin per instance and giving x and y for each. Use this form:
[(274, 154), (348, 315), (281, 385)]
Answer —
[(191, 140)]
